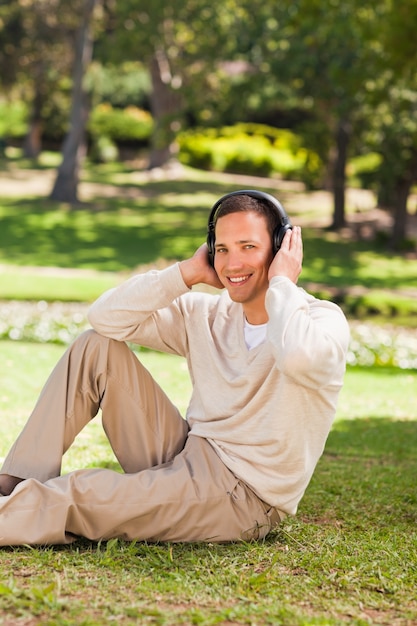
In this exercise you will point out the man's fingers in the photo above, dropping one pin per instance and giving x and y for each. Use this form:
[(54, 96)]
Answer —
[(285, 243), (292, 238)]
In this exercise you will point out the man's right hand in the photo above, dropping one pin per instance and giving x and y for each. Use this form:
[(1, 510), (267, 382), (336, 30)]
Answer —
[(197, 269)]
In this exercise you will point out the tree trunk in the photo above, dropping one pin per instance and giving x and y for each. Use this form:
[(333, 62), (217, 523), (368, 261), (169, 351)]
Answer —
[(165, 107), (66, 184), (339, 174), (402, 190), (399, 227), (32, 144), (33, 141)]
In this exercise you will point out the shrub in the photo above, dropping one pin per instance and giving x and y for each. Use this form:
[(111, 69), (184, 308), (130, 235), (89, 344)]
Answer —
[(121, 85), (104, 150), (254, 149), (120, 125)]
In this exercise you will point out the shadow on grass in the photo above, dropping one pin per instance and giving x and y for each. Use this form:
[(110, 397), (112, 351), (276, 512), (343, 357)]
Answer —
[(367, 474), (121, 237), (120, 234)]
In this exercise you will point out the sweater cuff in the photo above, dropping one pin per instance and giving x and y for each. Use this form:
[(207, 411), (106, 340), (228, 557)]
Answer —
[(283, 294), (171, 282)]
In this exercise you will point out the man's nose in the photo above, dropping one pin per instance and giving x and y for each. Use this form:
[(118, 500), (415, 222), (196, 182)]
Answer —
[(234, 259)]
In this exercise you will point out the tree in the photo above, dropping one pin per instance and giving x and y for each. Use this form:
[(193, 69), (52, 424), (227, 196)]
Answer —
[(324, 53), (65, 188), (33, 56), (394, 113), (44, 62), (181, 43), (11, 39)]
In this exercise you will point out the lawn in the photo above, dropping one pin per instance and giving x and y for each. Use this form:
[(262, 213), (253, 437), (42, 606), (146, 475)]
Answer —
[(348, 557), (130, 220)]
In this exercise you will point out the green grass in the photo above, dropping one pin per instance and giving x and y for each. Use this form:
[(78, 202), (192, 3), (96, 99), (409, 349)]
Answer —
[(31, 283), (348, 558), (132, 221), (121, 234)]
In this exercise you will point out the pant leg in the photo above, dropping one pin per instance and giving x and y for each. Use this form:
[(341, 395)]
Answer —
[(144, 428), (194, 497)]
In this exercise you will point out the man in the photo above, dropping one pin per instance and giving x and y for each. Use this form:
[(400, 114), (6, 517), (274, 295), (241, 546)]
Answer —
[(266, 361)]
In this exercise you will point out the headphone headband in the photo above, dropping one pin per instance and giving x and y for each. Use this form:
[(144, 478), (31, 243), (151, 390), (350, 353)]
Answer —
[(253, 193), (279, 232)]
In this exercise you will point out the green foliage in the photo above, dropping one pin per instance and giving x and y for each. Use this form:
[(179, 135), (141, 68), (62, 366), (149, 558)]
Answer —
[(363, 170), (103, 150), (128, 125), (308, 64), (251, 149), (109, 126), (13, 119), (121, 85)]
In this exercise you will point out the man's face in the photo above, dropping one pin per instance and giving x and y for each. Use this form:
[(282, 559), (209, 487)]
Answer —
[(243, 254)]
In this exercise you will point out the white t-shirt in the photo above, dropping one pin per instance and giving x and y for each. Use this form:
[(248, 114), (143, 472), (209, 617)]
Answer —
[(255, 334)]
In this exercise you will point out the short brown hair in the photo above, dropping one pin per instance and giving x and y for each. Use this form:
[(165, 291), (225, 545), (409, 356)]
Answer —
[(243, 202)]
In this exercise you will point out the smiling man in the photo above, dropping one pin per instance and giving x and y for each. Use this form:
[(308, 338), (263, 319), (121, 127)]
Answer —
[(266, 360)]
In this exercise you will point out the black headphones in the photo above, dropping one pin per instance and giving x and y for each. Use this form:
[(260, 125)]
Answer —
[(278, 234)]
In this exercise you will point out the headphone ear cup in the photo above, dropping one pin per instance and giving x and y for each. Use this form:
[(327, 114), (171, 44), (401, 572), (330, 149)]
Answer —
[(210, 246), (279, 235)]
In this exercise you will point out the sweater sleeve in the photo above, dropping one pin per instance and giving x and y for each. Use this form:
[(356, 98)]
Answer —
[(144, 310), (309, 337)]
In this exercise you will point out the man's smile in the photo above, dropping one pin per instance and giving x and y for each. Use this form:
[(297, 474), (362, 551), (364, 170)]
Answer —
[(238, 280)]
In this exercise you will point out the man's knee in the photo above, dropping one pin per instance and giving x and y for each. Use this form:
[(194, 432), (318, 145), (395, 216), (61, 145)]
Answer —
[(92, 338), (89, 336), (90, 341)]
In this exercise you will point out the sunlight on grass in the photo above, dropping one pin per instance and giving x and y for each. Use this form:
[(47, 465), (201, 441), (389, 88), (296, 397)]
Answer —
[(348, 263), (348, 558), (137, 220), (140, 220), (348, 555), (385, 267), (386, 392), (24, 283), (24, 367)]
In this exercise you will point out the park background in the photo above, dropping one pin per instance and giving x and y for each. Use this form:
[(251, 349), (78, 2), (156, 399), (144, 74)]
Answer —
[(121, 125)]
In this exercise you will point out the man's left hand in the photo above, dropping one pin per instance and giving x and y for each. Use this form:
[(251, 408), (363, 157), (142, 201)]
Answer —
[(289, 258)]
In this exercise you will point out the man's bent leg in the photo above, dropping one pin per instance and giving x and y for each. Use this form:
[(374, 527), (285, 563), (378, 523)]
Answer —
[(143, 426), (192, 498)]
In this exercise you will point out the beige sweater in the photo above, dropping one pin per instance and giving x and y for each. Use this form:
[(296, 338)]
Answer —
[(266, 411)]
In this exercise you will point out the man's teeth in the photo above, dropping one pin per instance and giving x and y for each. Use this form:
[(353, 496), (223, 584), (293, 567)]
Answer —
[(239, 279)]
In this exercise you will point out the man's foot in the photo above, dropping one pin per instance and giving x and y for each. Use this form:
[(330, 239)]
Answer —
[(8, 483)]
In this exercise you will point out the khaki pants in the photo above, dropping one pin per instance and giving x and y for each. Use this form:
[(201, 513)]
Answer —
[(175, 487)]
